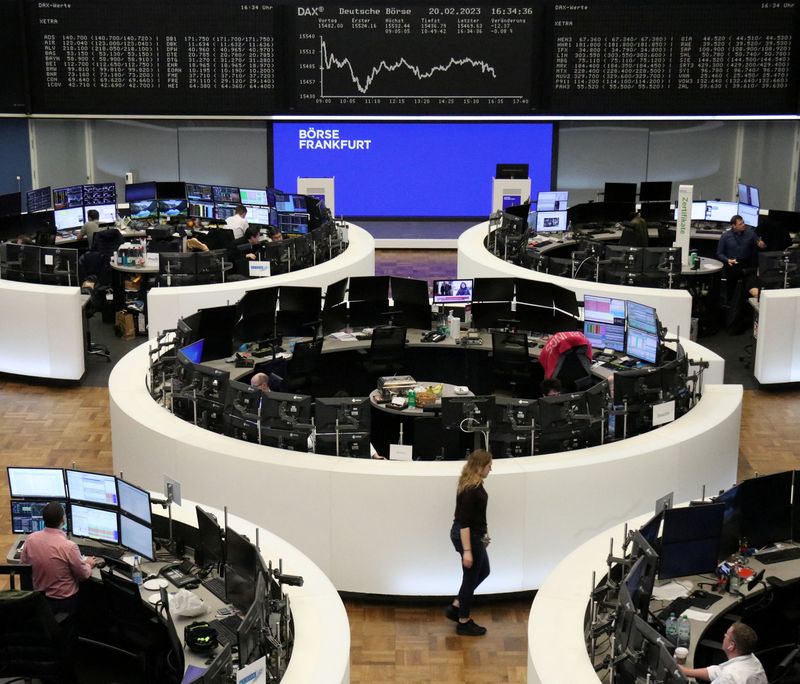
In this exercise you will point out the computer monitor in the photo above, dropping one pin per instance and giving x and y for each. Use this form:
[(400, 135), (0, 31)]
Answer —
[(193, 352), (203, 210), (58, 266), (368, 288), (94, 488), (283, 410), (658, 262), (690, 540), (211, 384), (605, 335), (199, 192), (68, 198), (560, 429), (551, 221), (250, 633), (619, 193), (107, 213), (68, 219), (748, 194), (253, 196), (134, 501), (26, 515), (137, 537), (173, 208), (650, 530), (283, 201), (256, 315), (640, 388), (136, 192), (642, 345), (223, 210), (10, 204), (642, 317), (262, 216), (99, 194), (487, 315), (288, 439), (241, 570), (470, 413), (335, 293), (777, 270), (141, 210), (698, 212), (720, 211), (458, 291), (351, 413), (604, 310), (39, 199), (210, 548), (765, 502), (552, 200), (492, 289), (410, 291), (655, 191), (220, 669), (94, 523), (748, 213), (640, 579), (350, 444), (511, 171), (226, 194), (293, 224), (215, 326), (44, 483)]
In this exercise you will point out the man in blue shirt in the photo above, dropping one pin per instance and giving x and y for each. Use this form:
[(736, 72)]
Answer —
[(738, 251)]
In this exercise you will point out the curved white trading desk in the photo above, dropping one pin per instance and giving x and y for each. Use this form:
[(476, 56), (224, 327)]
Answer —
[(381, 527), (778, 342), (42, 335), (321, 629), (165, 305), (674, 307)]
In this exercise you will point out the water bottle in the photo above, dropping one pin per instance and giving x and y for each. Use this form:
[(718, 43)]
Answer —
[(671, 631), (684, 632), (411, 398), (136, 575)]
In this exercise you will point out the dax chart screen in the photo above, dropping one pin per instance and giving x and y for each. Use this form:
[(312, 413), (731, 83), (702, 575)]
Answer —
[(417, 58)]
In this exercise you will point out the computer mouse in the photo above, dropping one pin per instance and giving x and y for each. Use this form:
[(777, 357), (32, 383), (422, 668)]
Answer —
[(699, 593), (100, 563), (191, 585)]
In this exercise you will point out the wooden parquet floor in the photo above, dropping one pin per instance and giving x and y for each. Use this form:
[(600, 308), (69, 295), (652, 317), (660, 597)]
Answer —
[(403, 643)]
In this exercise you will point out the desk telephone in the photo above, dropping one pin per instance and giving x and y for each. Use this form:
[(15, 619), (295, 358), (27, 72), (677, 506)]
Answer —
[(179, 574), (433, 336)]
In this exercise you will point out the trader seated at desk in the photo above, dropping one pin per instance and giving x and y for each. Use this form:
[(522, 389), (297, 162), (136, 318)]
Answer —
[(742, 667), (738, 251), (91, 226), (237, 222), (56, 562)]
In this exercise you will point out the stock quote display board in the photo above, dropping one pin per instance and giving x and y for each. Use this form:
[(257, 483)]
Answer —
[(151, 57), (373, 59), (673, 57), (12, 51)]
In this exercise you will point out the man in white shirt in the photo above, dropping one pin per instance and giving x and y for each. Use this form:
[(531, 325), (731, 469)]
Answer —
[(237, 222), (742, 667)]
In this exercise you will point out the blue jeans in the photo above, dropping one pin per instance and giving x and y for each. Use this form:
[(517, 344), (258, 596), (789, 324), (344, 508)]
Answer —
[(471, 577)]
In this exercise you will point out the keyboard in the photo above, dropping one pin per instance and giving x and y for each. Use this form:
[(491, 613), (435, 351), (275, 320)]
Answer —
[(226, 629), (681, 604), (792, 553), (216, 585), (103, 551)]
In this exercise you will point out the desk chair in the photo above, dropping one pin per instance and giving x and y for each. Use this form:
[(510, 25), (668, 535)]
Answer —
[(387, 351), (132, 627), (95, 303), (511, 364), (574, 370), (32, 643), (175, 661), (303, 367)]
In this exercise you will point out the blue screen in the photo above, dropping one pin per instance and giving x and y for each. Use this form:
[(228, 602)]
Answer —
[(410, 169)]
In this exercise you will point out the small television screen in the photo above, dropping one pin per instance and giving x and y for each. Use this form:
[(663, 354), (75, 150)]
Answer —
[(136, 192), (45, 483), (552, 200), (134, 501), (173, 208), (68, 198), (749, 214), (95, 194), (223, 211), (94, 523), (642, 317), (11, 204), (226, 193), (92, 488), (551, 221), (458, 291), (199, 192), (254, 196), (604, 310), (135, 536), (68, 219), (641, 345), (748, 194), (39, 199), (143, 209), (720, 211), (107, 212), (511, 171), (26, 516)]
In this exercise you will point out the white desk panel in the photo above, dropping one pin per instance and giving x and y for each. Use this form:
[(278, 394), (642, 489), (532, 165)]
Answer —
[(778, 343), (381, 527), (475, 261), (165, 305), (42, 332)]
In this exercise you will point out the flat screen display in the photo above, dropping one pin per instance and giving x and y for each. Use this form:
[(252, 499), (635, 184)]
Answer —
[(642, 317), (457, 291), (26, 516), (552, 200), (143, 209), (46, 483), (94, 523), (641, 345), (135, 192), (134, 501), (136, 537), (68, 198), (748, 194), (92, 488), (252, 196), (551, 221), (749, 214), (605, 335), (226, 193), (604, 310), (388, 178), (224, 211), (201, 209), (108, 212), (68, 219), (698, 212), (199, 192), (39, 199), (172, 208), (720, 211), (263, 216)]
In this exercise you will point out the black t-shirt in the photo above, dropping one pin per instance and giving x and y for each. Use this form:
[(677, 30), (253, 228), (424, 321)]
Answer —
[(471, 509)]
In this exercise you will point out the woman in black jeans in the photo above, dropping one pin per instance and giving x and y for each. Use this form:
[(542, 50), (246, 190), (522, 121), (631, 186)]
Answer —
[(470, 538)]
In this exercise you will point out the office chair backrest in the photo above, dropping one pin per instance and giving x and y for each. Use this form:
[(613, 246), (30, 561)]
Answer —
[(106, 241), (305, 357), (574, 370), (387, 342), (122, 596), (510, 349)]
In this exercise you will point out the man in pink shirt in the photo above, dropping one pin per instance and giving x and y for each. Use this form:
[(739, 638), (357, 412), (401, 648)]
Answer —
[(56, 562)]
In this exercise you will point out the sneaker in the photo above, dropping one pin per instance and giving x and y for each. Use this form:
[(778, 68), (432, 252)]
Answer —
[(470, 628), (451, 613)]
